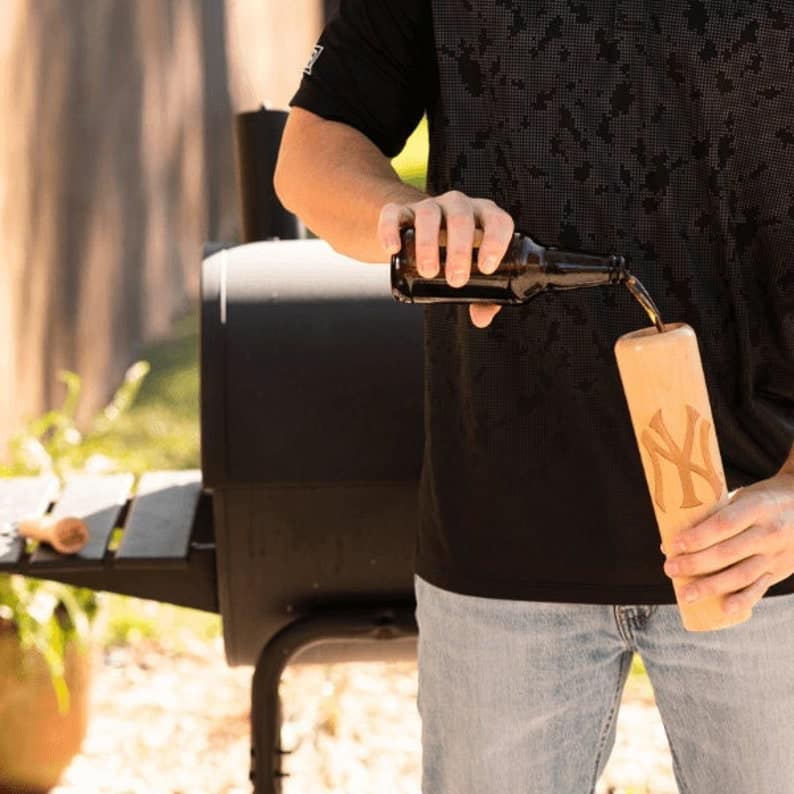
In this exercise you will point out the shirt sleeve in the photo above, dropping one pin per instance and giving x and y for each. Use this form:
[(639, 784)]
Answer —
[(373, 68)]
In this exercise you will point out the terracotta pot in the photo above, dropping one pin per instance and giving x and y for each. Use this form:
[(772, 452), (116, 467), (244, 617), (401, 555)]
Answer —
[(37, 743)]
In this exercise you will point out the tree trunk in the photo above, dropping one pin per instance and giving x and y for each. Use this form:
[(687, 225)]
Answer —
[(116, 164)]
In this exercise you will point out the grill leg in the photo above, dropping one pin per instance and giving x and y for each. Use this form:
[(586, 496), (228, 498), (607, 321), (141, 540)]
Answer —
[(360, 623)]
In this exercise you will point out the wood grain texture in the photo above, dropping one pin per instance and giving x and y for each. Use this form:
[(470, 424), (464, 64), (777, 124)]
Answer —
[(666, 392)]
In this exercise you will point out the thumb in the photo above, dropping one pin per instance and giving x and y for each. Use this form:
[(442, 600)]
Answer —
[(482, 313), (392, 218)]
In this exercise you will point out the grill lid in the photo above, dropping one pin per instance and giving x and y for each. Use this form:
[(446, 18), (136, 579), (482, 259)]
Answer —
[(311, 372)]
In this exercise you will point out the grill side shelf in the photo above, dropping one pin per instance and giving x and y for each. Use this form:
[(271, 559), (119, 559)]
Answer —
[(160, 521), (98, 500)]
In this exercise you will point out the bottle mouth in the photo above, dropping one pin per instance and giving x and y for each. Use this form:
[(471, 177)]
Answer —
[(619, 269)]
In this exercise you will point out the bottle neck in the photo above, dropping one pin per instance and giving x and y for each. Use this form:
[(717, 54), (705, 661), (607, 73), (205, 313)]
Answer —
[(575, 265), (555, 269)]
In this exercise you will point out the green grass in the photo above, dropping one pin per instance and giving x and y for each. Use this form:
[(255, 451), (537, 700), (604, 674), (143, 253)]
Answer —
[(161, 429)]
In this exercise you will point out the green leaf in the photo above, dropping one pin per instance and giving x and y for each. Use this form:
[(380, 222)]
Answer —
[(123, 398)]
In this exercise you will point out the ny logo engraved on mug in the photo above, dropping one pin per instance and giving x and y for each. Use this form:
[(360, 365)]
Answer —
[(681, 457)]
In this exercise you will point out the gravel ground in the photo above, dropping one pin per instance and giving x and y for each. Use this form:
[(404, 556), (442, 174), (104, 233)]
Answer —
[(177, 723)]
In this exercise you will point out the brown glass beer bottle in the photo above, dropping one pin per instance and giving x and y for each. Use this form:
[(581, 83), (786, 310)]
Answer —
[(526, 270)]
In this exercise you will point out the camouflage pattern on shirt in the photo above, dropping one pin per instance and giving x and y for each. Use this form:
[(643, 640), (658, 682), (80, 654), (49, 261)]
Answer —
[(662, 130)]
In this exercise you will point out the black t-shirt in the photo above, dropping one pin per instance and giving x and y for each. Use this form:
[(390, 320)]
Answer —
[(662, 130)]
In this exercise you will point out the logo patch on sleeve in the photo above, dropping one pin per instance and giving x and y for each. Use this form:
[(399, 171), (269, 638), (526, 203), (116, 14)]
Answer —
[(315, 55)]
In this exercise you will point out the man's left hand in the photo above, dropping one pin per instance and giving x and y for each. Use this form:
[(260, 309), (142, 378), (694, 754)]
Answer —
[(741, 549)]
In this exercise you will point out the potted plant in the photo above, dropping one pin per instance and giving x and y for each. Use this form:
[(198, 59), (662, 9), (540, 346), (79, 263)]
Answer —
[(47, 628), (45, 668)]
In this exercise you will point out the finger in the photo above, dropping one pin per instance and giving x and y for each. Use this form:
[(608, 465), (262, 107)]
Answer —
[(391, 218), (459, 222), (731, 580), (754, 540), (427, 222), (746, 509), (442, 237), (749, 596), (498, 228), (482, 313)]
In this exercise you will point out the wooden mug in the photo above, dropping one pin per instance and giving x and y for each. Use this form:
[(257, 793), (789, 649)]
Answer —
[(665, 389)]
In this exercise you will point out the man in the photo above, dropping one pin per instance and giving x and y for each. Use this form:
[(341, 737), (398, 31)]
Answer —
[(663, 130)]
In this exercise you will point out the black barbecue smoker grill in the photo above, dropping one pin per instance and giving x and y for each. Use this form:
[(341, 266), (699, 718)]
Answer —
[(299, 529)]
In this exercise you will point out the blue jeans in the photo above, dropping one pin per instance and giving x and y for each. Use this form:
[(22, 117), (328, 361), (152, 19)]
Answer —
[(520, 697)]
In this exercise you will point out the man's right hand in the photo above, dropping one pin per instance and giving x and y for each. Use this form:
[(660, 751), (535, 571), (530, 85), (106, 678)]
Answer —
[(459, 215), (319, 158)]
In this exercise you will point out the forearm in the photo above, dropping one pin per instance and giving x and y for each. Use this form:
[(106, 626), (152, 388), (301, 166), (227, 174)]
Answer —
[(336, 180)]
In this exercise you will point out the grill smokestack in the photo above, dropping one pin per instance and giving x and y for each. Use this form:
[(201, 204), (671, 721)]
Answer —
[(258, 136)]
